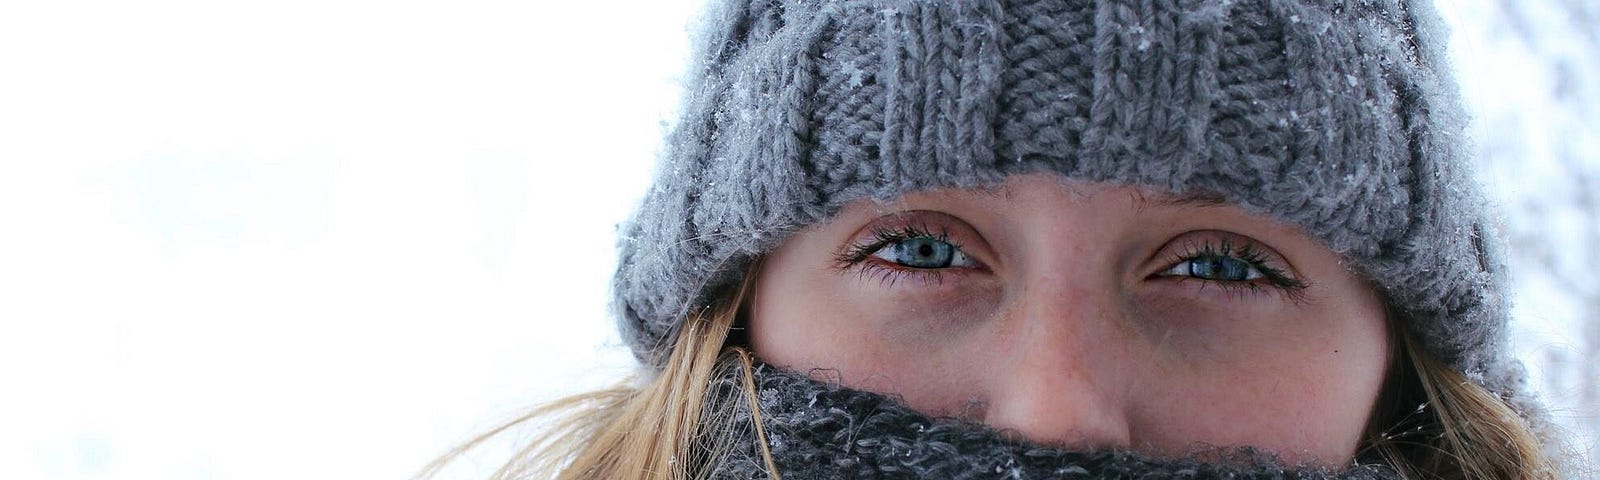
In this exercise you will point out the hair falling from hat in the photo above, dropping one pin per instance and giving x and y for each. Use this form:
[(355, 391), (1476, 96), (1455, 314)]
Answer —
[(643, 428)]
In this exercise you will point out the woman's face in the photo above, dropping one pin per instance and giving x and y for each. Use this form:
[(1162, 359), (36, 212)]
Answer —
[(1084, 315)]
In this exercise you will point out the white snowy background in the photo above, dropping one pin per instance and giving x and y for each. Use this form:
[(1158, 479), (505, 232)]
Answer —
[(333, 238)]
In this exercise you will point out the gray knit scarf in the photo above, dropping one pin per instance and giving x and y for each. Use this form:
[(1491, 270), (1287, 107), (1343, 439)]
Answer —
[(821, 430)]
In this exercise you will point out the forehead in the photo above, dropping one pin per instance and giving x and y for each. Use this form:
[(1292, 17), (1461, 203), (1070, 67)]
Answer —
[(1017, 188)]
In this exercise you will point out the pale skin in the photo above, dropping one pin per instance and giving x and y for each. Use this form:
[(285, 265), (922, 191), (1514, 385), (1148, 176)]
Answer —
[(1084, 315)]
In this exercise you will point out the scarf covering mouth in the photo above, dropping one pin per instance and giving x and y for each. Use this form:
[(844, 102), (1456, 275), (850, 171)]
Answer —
[(818, 430)]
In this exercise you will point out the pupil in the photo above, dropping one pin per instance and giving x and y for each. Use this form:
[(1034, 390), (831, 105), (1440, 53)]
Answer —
[(1220, 268), (924, 253)]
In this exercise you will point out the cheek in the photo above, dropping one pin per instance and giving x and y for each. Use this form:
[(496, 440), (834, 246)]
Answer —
[(1300, 383), (790, 324), (907, 337)]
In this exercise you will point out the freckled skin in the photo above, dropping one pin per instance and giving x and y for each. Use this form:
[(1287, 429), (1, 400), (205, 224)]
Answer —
[(1067, 335)]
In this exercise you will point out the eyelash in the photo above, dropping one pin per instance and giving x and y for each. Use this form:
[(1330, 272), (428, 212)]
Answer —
[(859, 255), (1275, 278)]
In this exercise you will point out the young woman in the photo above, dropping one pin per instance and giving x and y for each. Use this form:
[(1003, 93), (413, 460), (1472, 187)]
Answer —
[(1060, 239)]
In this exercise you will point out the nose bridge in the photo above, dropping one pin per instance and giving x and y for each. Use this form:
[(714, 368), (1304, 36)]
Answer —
[(1059, 381)]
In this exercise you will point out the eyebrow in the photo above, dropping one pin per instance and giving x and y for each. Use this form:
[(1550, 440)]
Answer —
[(1192, 199), (1189, 199), (1141, 197)]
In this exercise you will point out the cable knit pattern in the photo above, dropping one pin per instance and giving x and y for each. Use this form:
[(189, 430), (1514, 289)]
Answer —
[(823, 430), (1336, 116)]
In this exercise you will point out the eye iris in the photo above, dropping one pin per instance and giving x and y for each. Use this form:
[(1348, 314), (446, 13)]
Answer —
[(1219, 268), (924, 253)]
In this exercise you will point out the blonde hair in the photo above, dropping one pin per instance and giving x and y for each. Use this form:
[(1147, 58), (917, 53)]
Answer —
[(672, 427), (1430, 422)]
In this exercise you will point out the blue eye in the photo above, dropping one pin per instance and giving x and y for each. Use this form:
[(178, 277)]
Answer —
[(923, 252), (1221, 268)]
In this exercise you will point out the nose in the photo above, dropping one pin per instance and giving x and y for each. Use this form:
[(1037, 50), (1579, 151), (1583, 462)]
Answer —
[(1059, 381)]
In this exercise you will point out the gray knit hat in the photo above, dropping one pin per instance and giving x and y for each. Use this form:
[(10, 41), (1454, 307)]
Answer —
[(1337, 116)]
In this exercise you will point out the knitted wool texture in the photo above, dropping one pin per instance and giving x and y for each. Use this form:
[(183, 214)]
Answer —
[(822, 430), (1336, 116)]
